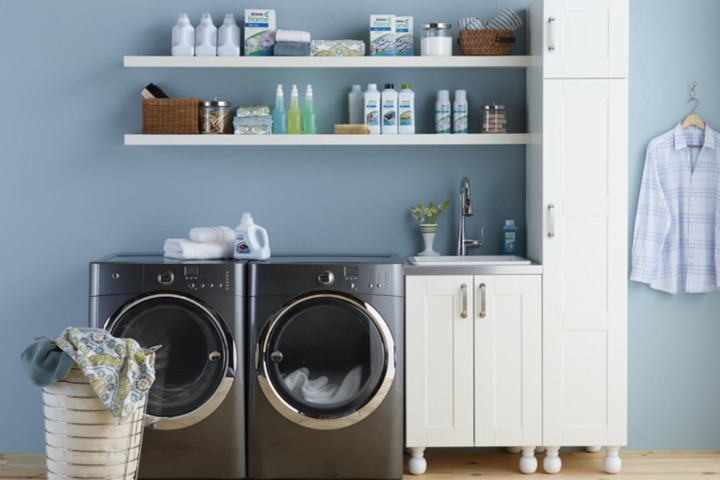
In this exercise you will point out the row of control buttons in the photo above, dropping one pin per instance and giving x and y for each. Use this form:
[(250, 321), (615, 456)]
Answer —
[(192, 286)]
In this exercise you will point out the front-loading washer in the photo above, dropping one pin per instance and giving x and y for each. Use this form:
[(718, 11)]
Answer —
[(193, 310), (325, 365)]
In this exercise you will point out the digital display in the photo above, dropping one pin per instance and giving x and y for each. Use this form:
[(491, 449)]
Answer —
[(191, 270), (351, 271)]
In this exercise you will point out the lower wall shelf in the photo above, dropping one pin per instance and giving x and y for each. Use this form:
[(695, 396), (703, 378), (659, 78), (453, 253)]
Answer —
[(271, 140)]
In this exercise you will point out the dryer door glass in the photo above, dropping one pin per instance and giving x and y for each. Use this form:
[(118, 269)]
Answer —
[(327, 357), (193, 358)]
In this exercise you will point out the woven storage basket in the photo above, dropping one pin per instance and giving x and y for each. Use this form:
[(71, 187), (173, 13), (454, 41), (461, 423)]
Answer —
[(486, 42), (171, 116), (82, 440)]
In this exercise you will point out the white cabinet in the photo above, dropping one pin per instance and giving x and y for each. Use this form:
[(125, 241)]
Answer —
[(577, 227), (473, 363), (585, 38)]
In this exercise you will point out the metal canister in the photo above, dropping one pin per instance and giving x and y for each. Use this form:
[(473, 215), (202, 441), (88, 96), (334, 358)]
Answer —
[(494, 119), (215, 117)]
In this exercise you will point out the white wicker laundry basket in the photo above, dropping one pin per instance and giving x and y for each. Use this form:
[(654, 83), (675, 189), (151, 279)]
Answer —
[(82, 439)]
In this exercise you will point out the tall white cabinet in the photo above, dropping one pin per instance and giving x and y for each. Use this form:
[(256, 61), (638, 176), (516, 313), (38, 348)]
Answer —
[(577, 218), (548, 367)]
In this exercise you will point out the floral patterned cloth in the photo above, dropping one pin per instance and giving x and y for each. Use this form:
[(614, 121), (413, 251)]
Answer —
[(117, 368)]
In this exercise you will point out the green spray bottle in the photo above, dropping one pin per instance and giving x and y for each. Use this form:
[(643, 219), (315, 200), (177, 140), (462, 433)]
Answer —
[(309, 118), (293, 114)]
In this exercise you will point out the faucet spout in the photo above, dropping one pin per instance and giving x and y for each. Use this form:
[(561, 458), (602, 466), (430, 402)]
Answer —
[(466, 211)]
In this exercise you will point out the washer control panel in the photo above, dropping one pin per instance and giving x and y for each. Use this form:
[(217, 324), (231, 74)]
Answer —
[(193, 278)]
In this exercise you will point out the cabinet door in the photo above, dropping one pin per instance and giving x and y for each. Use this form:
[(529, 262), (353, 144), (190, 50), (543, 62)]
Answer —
[(585, 262), (585, 38), (508, 360), (438, 361)]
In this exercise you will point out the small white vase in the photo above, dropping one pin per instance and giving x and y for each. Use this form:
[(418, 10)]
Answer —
[(428, 233)]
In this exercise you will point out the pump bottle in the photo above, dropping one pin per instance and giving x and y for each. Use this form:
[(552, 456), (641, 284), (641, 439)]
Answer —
[(309, 117), (279, 114), (293, 114)]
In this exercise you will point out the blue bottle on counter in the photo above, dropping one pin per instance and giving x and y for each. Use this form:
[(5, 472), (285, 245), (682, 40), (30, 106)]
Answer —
[(510, 238)]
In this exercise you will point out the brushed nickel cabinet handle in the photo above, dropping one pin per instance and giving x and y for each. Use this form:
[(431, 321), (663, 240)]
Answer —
[(483, 312), (551, 221), (551, 34), (464, 300)]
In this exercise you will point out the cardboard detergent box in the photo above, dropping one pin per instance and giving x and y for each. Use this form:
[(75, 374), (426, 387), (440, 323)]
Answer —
[(260, 26), (382, 35), (403, 35)]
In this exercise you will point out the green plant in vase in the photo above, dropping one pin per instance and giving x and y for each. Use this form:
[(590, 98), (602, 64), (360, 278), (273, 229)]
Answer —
[(428, 223)]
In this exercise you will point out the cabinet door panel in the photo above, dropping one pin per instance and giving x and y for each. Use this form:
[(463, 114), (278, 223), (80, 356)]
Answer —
[(507, 360), (589, 38), (584, 263), (439, 361)]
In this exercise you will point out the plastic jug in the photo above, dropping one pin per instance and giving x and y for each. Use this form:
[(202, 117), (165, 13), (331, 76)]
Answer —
[(251, 241)]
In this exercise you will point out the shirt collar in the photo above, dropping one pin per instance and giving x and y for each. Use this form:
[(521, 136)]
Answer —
[(680, 142)]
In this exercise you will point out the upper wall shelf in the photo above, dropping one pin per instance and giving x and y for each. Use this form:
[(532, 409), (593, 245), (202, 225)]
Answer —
[(270, 140), (511, 61)]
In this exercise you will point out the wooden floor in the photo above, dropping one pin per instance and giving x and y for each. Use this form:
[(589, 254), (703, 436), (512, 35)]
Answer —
[(637, 465)]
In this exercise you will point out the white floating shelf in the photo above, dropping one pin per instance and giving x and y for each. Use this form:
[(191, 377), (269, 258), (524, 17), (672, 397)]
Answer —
[(511, 61), (273, 140)]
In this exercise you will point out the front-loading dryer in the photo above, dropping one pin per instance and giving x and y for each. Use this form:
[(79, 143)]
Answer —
[(193, 310), (325, 368)]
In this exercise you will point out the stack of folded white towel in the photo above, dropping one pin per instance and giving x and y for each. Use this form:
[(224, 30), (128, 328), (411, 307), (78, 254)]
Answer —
[(205, 243)]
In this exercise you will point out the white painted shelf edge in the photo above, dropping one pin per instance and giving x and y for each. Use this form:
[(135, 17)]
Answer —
[(417, 61), (369, 140)]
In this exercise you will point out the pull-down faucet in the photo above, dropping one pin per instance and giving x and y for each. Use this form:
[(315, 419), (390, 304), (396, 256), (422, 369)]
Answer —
[(466, 211)]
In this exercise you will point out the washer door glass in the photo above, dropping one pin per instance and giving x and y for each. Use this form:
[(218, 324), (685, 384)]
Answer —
[(327, 356), (193, 359)]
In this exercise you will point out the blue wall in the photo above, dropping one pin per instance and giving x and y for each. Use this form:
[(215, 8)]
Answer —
[(70, 192)]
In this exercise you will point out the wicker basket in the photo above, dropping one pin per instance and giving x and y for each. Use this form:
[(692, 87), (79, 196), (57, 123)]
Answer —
[(171, 116), (486, 42)]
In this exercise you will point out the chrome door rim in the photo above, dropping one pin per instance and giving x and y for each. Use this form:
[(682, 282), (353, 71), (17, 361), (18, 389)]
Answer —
[(324, 422), (212, 403)]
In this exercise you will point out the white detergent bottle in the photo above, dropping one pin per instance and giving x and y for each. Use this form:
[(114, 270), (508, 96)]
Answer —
[(228, 37), (206, 37), (389, 112), (372, 108), (355, 105), (251, 241), (406, 109), (183, 38)]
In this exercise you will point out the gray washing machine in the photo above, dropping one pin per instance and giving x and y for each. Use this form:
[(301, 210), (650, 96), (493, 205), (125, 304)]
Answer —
[(195, 311), (325, 384)]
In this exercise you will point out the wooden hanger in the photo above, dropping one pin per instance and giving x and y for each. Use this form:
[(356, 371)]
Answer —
[(693, 119)]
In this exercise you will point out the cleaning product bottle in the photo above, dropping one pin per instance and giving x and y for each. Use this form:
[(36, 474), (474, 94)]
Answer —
[(206, 37), (389, 110), (406, 110), (279, 114), (372, 108), (183, 38), (460, 112), (293, 114), (510, 238), (309, 117), (355, 106), (442, 112), (251, 241), (228, 44)]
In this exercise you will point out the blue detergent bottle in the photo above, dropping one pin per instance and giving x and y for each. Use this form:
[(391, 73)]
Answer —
[(279, 115), (510, 238)]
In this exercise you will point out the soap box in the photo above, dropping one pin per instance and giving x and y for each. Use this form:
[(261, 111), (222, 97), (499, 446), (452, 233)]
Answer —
[(403, 35), (382, 34), (260, 26)]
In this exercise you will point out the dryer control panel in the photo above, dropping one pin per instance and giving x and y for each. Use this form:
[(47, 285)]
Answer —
[(189, 278)]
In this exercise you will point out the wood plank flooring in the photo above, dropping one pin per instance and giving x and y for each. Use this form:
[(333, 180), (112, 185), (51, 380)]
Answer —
[(466, 465)]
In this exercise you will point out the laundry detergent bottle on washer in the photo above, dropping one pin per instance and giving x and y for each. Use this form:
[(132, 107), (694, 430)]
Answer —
[(251, 241)]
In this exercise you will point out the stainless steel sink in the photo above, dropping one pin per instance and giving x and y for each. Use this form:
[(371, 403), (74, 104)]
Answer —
[(474, 260)]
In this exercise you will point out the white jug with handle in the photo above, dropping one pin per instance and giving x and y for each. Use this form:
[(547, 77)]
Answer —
[(251, 241)]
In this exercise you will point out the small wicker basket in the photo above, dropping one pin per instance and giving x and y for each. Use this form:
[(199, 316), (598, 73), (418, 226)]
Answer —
[(486, 42), (171, 116)]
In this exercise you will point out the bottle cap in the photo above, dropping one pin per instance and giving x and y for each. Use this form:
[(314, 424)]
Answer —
[(294, 92), (229, 17), (460, 95), (247, 218), (509, 223), (279, 91), (443, 95), (206, 17), (372, 86), (389, 85), (356, 87), (406, 86), (308, 91)]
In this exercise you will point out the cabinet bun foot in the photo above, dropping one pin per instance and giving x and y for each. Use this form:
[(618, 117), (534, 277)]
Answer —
[(539, 449), (513, 449), (417, 465), (612, 462), (552, 462), (528, 462), (593, 448)]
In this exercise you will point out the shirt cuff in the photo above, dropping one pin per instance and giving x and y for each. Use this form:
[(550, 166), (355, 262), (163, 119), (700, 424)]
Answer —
[(638, 275)]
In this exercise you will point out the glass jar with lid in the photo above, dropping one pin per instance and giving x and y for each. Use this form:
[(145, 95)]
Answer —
[(436, 39), (215, 117), (494, 119)]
